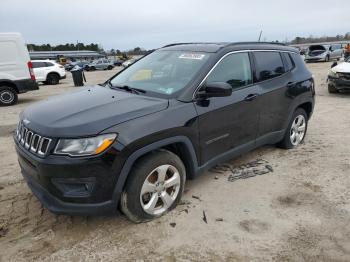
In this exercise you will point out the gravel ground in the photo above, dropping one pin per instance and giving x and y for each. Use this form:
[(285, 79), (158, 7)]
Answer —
[(292, 205)]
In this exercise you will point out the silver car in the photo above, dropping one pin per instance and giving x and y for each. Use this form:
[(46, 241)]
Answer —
[(323, 52), (100, 64)]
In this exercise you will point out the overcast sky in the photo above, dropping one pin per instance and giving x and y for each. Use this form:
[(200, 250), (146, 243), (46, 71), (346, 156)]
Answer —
[(153, 23)]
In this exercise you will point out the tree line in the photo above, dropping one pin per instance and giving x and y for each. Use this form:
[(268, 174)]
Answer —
[(65, 47), (313, 39)]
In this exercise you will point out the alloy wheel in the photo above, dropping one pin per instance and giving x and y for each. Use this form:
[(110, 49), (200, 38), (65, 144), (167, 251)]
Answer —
[(297, 131), (160, 190)]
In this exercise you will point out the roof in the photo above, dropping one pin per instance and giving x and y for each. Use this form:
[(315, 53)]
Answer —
[(215, 47)]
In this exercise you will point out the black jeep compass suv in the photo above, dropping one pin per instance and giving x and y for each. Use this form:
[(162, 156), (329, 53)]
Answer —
[(132, 142)]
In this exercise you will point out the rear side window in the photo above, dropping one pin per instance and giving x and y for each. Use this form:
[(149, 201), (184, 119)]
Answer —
[(38, 64), (288, 62), (234, 70), (268, 65), (48, 64)]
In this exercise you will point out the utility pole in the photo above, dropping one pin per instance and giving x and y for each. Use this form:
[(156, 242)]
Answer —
[(260, 35)]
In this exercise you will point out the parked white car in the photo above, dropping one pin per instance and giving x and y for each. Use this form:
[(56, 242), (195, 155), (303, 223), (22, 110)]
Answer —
[(129, 62), (339, 77), (48, 71), (16, 73)]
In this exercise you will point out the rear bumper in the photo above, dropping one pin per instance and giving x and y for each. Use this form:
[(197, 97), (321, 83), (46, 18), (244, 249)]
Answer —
[(26, 85)]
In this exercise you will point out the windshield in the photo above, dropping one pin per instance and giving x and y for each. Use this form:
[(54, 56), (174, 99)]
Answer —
[(162, 72)]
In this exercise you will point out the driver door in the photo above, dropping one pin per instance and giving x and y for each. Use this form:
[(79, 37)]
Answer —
[(229, 123)]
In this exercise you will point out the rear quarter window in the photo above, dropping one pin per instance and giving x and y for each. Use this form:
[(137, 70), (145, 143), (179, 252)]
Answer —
[(268, 65), (288, 62)]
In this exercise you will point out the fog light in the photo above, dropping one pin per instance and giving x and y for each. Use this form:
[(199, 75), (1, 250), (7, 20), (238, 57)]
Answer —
[(73, 187)]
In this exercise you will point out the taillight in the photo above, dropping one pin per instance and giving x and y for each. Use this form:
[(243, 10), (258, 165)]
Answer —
[(31, 72)]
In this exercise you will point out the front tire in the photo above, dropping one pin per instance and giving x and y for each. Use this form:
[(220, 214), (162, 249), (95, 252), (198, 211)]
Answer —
[(154, 187), (296, 130), (8, 96), (327, 58), (332, 89)]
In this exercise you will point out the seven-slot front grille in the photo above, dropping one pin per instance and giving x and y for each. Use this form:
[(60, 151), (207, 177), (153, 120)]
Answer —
[(31, 141)]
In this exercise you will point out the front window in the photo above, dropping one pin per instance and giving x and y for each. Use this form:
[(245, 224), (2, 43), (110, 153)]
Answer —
[(162, 73), (234, 70)]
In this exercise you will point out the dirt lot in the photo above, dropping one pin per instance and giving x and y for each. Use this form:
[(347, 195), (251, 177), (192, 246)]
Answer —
[(297, 209)]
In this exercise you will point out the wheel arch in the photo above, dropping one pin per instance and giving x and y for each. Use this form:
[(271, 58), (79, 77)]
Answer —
[(307, 106), (10, 84), (52, 73), (180, 145)]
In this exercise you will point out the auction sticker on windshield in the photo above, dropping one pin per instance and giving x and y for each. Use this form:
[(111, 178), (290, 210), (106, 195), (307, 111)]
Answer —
[(192, 56)]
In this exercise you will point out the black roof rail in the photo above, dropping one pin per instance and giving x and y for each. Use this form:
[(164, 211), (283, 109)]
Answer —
[(227, 43), (192, 43), (256, 43)]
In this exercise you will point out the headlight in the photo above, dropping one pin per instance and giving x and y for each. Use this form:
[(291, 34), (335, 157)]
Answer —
[(85, 146), (333, 74)]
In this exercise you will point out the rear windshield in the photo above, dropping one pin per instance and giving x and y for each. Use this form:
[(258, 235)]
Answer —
[(162, 72)]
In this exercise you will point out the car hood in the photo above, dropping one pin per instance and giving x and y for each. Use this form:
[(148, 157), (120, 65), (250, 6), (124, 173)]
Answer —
[(88, 111), (342, 68)]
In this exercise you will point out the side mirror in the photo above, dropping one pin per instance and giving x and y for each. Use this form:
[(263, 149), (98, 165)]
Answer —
[(334, 64), (215, 89)]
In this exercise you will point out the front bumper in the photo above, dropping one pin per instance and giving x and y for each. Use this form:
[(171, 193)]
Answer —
[(339, 83), (71, 186), (314, 59), (63, 77)]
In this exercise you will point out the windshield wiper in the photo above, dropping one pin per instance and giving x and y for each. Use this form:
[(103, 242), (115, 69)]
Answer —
[(127, 88)]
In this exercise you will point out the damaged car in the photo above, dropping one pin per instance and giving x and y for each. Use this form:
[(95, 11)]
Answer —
[(339, 77), (131, 143), (324, 53)]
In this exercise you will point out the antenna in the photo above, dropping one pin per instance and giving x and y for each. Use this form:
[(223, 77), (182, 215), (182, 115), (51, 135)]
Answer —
[(260, 36)]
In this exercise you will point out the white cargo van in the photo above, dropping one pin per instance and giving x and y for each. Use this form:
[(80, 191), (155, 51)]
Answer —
[(16, 70)]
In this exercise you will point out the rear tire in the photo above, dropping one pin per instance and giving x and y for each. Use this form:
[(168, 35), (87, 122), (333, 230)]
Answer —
[(110, 67), (332, 89), (8, 96), (92, 68), (148, 193), (52, 79), (296, 130), (327, 58)]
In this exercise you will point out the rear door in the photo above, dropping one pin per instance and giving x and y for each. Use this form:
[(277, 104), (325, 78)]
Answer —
[(229, 122), (273, 80)]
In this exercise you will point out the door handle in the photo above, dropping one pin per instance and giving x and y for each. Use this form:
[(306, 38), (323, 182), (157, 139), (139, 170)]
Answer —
[(251, 97)]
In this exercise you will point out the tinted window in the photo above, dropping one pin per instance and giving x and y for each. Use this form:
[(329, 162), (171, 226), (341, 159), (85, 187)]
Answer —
[(49, 64), (289, 64), (234, 70), (38, 64), (268, 65)]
